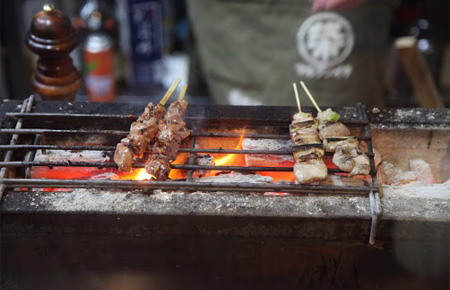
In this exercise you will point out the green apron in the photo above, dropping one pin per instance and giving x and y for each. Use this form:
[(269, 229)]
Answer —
[(251, 51)]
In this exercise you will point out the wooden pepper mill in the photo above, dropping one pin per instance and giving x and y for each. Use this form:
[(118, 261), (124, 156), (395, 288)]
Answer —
[(52, 37)]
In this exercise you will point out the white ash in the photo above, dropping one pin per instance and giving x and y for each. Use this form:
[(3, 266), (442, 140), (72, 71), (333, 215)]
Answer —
[(217, 203), (422, 169), (406, 113), (392, 175), (419, 190), (266, 144), (69, 155), (236, 177), (339, 180), (417, 201), (204, 159), (92, 200), (104, 200)]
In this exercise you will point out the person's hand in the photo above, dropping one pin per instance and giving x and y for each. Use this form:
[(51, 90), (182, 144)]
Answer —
[(334, 4)]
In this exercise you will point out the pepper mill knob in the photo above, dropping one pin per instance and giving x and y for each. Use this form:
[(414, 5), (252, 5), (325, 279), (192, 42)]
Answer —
[(52, 37)]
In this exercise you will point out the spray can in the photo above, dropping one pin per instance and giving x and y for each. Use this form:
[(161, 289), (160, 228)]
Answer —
[(98, 54)]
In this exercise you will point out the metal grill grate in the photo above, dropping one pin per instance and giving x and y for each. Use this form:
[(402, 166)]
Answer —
[(194, 122)]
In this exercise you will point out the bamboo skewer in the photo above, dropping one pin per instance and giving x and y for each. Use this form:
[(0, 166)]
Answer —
[(297, 97), (182, 93), (310, 96), (170, 91)]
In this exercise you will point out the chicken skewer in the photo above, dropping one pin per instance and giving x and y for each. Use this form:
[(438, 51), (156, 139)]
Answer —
[(309, 165), (172, 131), (347, 155), (142, 132)]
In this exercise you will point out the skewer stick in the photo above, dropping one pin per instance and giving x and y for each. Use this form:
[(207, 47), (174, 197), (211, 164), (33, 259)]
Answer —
[(182, 93), (310, 97), (170, 91), (297, 98)]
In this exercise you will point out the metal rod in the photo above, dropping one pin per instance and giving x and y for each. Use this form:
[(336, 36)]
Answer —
[(30, 156), (67, 116), (375, 213), (124, 133), (183, 150), (185, 186), (130, 117), (100, 165), (64, 132), (374, 197), (366, 130), (113, 148), (58, 147), (191, 158)]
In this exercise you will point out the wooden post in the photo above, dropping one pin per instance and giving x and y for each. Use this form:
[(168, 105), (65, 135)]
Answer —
[(418, 72)]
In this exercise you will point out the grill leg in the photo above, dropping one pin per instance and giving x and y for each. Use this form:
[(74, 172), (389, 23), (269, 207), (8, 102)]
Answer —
[(375, 213)]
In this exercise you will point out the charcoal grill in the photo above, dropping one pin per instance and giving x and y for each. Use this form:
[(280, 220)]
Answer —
[(358, 118), (29, 129), (212, 215)]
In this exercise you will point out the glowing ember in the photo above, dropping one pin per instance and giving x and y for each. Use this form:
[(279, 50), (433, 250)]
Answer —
[(143, 175), (279, 175), (178, 173), (230, 158), (137, 174)]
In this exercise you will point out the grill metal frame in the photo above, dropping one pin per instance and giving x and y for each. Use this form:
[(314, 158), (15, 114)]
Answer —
[(26, 113), (194, 122)]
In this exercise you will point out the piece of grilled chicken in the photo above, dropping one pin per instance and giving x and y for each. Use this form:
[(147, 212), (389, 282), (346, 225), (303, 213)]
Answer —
[(350, 158), (309, 165), (142, 132)]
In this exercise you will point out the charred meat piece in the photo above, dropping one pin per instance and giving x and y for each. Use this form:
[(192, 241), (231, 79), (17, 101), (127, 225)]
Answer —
[(331, 145), (123, 157), (330, 130), (304, 136), (142, 131), (312, 153), (158, 167), (172, 131)]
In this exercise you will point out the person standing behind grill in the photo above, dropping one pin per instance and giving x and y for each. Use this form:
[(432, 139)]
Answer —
[(249, 52)]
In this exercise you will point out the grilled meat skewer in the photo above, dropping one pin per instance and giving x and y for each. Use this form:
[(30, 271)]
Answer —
[(348, 156), (142, 131), (172, 131), (309, 165)]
